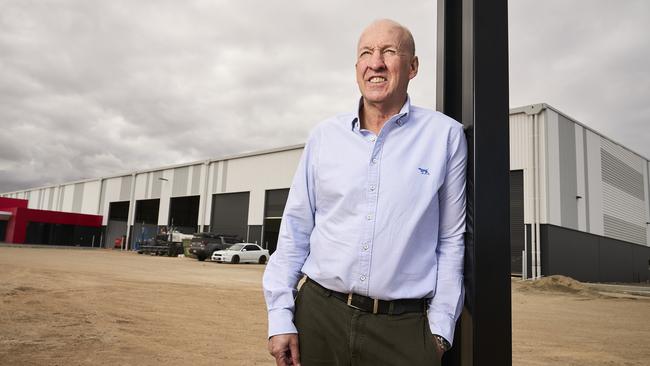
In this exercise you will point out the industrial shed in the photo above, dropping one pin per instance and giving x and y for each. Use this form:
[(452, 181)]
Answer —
[(240, 195), (579, 201)]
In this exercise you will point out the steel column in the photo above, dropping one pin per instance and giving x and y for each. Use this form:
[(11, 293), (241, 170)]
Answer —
[(472, 87)]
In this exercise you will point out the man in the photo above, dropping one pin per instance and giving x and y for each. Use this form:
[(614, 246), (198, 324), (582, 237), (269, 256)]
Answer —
[(375, 220)]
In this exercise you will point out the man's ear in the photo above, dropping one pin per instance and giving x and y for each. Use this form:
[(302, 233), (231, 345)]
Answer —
[(413, 67)]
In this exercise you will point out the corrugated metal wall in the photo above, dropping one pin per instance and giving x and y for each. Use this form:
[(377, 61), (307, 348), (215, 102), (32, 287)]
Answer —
[(624, 196), (521, 157), (586, 182)]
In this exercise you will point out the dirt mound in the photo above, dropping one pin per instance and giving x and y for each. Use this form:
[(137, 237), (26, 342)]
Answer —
[(559, 283)]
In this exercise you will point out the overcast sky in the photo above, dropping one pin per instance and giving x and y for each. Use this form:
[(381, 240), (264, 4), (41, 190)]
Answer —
[(95, 88)]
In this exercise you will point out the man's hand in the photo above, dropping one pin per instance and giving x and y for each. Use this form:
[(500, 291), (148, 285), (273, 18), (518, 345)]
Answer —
[(441, 345), (439, 350), (284, 347)]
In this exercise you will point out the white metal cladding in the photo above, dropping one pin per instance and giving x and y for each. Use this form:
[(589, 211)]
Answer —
[(206, 199), (141, 186), (111, 193), (65, 203), (625, 155), (155, 184), (581, 182), (552, 175), (623, 215), (624, 196), (77, 197), (624, 171), (521, 156), (522, 145), (90, 197), (194, 187), (180, 181), (595, 223), (167, 182), (41, 196), (50, 198), (646, 178), (34, 198), (544, 190), (258, 173), (203, 191)]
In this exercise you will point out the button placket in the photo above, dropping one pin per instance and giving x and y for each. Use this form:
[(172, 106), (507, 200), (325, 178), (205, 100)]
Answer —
[(372, 194)]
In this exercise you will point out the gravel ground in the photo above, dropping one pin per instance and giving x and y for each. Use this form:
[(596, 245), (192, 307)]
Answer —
[(103, 307)]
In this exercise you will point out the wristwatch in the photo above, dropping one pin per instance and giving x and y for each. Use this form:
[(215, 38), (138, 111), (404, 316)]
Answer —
[(442, 342)]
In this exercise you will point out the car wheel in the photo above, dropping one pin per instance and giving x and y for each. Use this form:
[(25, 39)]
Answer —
[(234, 259), (200, 258), (262, 260)]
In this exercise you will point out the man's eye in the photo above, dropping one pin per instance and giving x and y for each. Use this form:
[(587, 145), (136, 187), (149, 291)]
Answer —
[(390, 51), (364, 54)]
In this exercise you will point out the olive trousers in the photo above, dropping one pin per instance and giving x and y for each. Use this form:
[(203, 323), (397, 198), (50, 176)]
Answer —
[(332, 333)]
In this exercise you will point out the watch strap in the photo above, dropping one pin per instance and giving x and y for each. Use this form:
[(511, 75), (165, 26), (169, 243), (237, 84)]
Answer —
[(442, 342)]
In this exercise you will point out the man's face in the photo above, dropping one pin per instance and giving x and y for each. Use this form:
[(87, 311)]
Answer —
[(385, 64)]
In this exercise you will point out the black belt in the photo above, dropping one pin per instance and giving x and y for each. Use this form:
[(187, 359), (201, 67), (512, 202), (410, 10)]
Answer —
[(376, 306)]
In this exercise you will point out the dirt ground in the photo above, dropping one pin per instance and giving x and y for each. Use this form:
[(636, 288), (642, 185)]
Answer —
[(100, 307)]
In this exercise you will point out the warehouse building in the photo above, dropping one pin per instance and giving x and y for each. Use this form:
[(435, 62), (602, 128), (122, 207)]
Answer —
[(579, 201)]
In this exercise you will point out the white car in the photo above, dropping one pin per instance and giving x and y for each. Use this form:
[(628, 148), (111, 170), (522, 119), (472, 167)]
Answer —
[(242, 253)]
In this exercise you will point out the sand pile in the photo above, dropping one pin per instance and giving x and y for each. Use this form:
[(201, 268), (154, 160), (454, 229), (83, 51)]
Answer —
[(558, 283)]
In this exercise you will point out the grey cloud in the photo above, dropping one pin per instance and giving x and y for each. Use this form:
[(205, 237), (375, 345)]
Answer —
[(96, 88), (587, 58)]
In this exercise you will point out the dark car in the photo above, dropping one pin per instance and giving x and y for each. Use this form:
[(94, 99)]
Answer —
[(204, 244)]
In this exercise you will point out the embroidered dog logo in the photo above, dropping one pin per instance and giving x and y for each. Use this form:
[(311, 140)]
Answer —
[(424, 171)]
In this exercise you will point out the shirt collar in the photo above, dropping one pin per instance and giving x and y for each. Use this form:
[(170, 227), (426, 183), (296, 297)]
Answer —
[(400, 118)]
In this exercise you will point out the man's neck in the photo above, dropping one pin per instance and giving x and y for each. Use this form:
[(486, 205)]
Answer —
[(374, 116)]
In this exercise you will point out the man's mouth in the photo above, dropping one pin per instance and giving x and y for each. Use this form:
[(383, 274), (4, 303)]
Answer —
[(377, 79)]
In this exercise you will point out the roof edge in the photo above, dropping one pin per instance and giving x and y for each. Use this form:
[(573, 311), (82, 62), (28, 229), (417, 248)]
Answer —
[(156, 169), (534, 109)]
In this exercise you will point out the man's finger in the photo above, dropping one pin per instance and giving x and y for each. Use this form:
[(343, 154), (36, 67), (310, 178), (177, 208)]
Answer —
[(295, 352), (281, 360), (279, 348)]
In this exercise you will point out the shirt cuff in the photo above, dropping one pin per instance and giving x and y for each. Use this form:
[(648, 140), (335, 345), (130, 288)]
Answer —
[(281, 322), (443, 326)]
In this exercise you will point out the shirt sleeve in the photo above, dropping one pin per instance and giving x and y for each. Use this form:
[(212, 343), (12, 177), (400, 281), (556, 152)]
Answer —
[(447, 303), (284, 268)]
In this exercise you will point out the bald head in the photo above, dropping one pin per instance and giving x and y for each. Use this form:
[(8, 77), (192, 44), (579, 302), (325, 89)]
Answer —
[(407, 44)]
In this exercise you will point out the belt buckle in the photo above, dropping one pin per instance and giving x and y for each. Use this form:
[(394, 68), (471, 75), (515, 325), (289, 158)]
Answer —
[(350, 302), (375, 304)]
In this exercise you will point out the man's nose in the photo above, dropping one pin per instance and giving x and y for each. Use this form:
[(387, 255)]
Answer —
[(377, 60)]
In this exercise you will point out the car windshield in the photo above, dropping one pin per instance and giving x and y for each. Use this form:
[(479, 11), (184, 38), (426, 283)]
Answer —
[(236, 247)]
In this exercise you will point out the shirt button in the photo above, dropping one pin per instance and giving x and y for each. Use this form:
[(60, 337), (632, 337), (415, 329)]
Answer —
[(369, 217), (374, 161), (365, 247), (373, 139), (362, 278), (372, 187)]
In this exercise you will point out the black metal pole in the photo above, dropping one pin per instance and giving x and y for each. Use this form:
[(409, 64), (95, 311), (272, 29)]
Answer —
[(472, 87)]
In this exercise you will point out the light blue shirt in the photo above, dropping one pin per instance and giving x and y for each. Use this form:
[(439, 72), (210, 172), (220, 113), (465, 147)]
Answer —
[(378, 215)]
